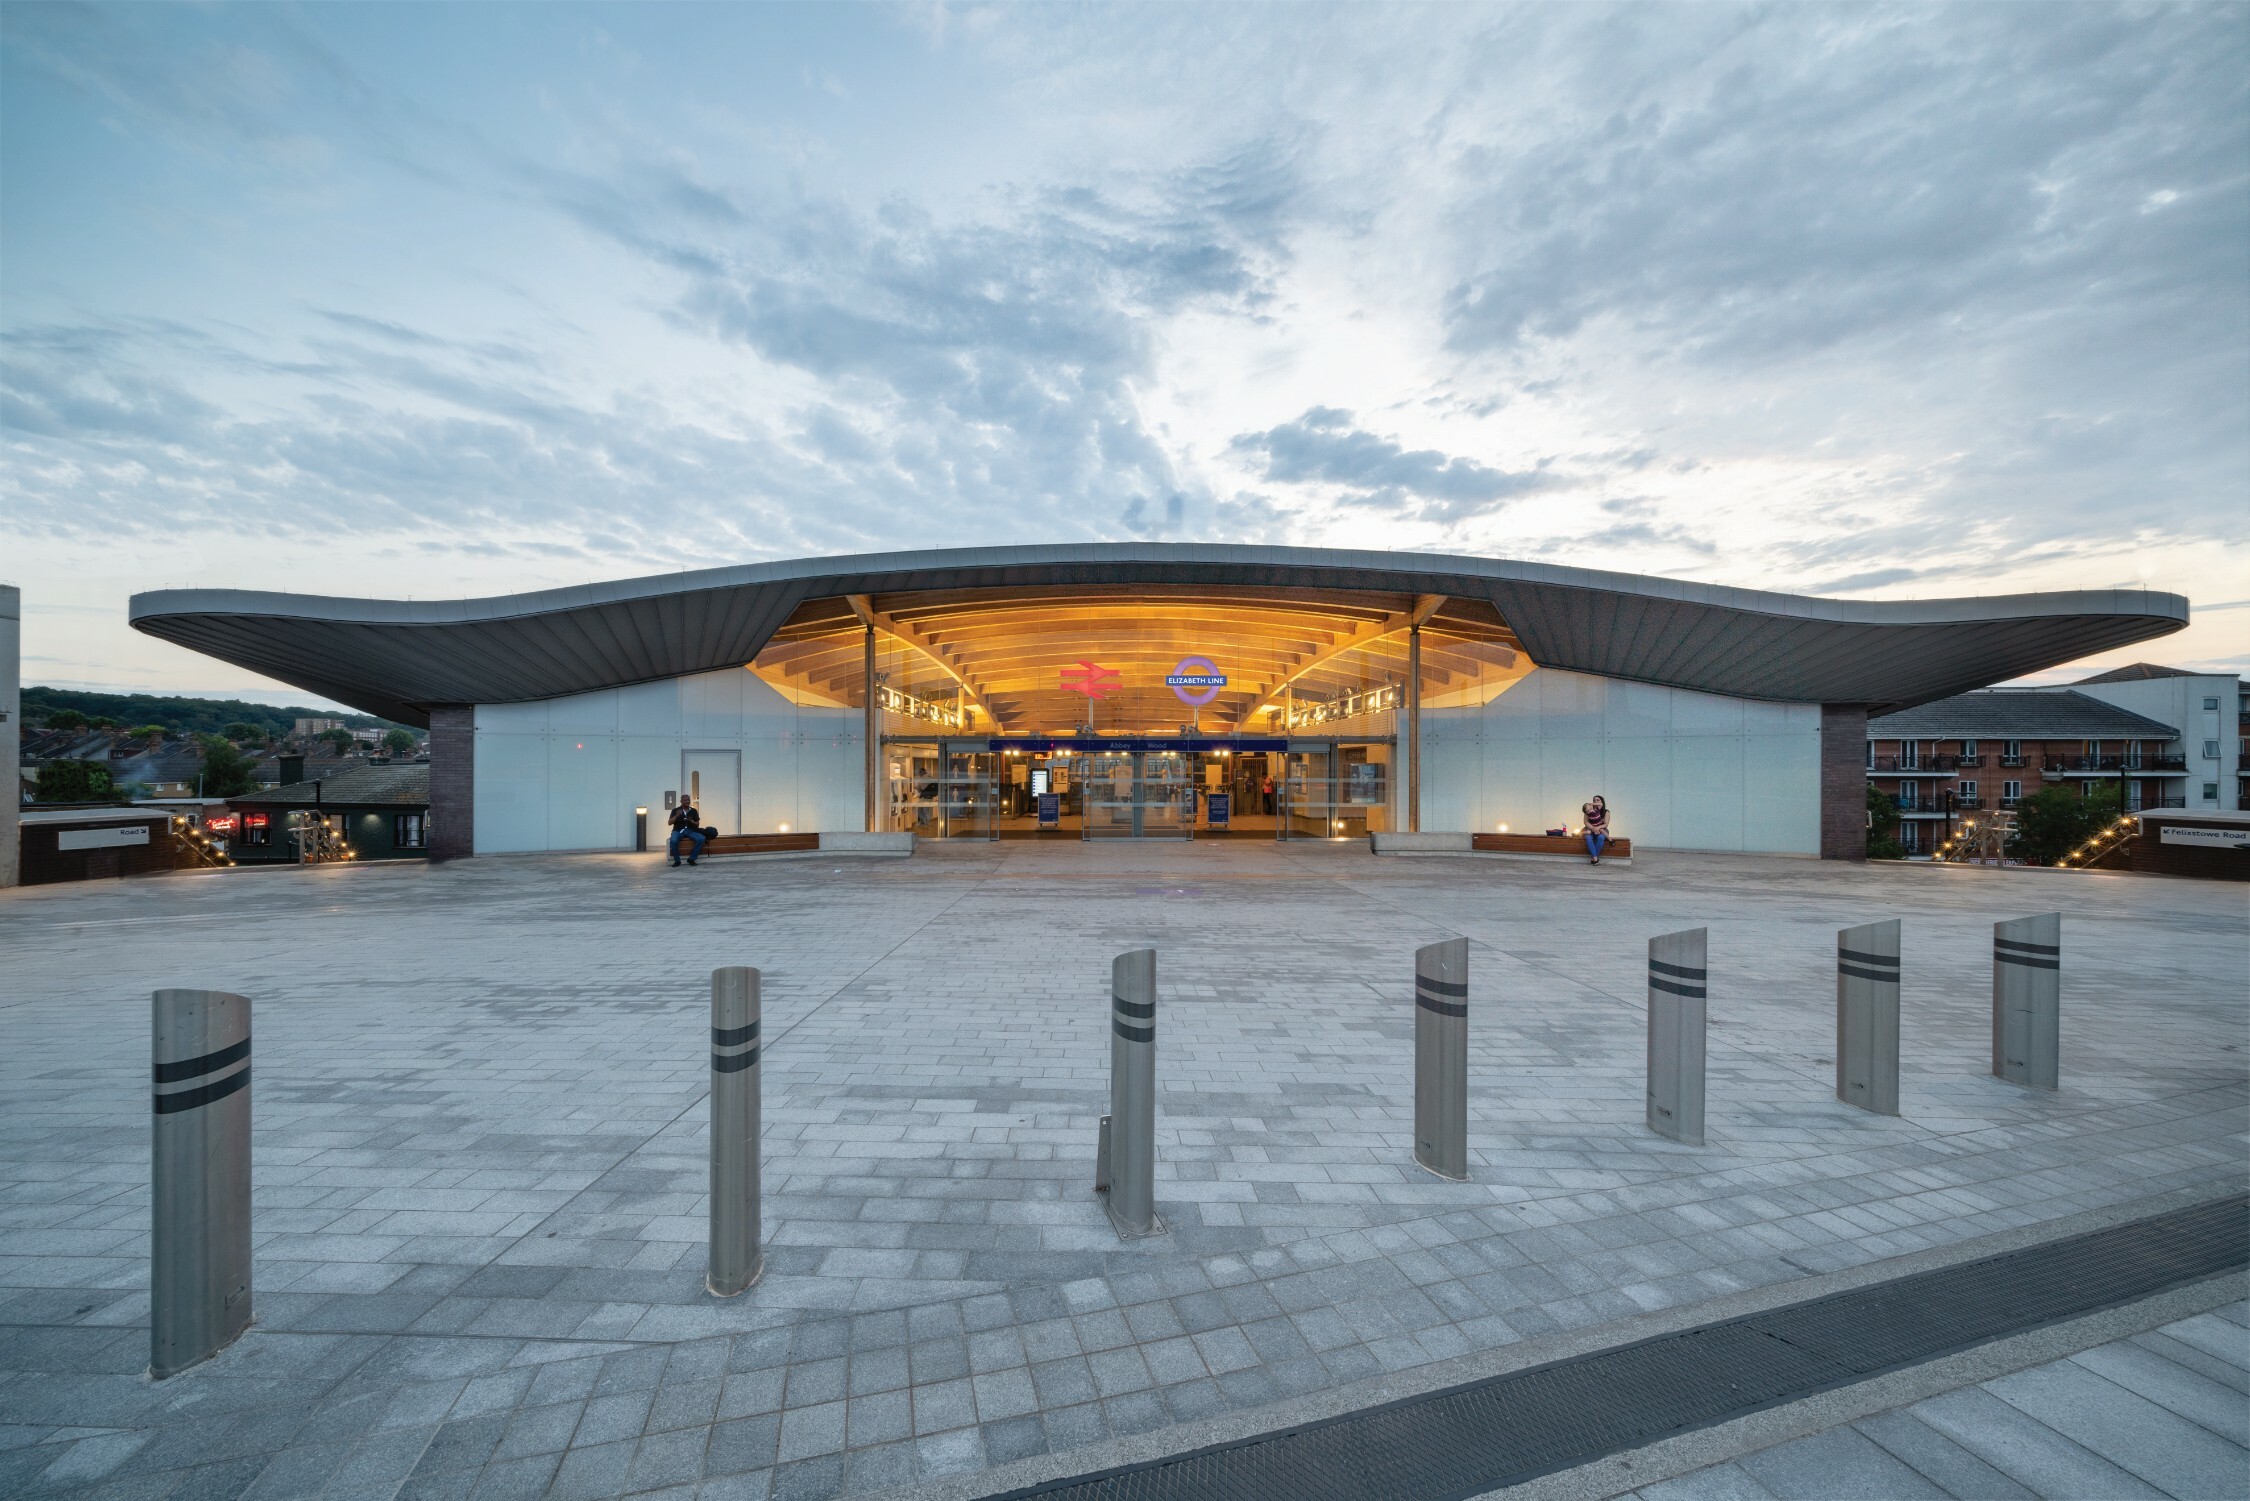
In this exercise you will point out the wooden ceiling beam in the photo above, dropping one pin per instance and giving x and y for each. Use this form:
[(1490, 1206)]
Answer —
[(912, 635)]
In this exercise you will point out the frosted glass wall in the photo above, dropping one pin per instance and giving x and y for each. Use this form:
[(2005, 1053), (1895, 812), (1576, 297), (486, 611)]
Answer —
[(1680, 769), (566, 773)]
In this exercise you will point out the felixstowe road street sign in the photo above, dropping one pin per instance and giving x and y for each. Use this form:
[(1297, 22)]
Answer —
[(1094, 682), (1196, 672)]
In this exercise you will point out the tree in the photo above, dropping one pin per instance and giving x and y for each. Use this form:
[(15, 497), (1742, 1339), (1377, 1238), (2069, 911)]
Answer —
[(227, 772), (339, 741), (149, 731), (1882, 826), (66, 719), (101, 722), (244, 734), (75, 782), (400, 742), (2050, 824)]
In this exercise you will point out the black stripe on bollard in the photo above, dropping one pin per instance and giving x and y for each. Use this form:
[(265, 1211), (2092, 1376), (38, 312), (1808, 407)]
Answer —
[(209, 1063), (1429, 994), (732, 1063), (1674, 987), (2030, 955), (729, 1037), (1442, 1008), (1139, 1011), (196, 1099), (1132, 1034), (1867, 966)]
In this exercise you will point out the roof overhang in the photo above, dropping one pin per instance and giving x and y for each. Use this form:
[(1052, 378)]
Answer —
[(399, 657)]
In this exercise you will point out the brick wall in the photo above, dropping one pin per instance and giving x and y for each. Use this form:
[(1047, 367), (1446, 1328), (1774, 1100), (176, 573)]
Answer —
[(2147, 852), (43, 861), (1843, 781), (453, 784)]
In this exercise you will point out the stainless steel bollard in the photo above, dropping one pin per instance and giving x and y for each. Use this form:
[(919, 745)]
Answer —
[(1867, 972), (1127, 1165), (2027, 1001), (737, 1257), (1677, 985), (1441, 1058), (199, 1241)]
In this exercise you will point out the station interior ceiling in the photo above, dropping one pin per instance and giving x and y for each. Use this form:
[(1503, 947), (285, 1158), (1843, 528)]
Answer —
[(1010, 654)]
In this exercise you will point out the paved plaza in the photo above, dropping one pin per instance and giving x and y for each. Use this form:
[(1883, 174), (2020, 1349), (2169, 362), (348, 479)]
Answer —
[(481, 1149), (2162, 1413)]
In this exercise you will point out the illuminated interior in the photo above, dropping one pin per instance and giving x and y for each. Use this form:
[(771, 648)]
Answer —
[(1002, 662), (1144, 712)]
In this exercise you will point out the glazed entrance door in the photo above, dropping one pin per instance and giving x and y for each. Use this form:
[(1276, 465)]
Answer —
[(1110, 781), (1138, 795)]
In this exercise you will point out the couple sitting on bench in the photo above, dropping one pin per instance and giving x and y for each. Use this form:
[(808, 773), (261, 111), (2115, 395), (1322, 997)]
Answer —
[(688, 830)]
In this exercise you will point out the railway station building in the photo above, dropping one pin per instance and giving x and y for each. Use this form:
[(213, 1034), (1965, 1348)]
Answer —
[(1151, 691)]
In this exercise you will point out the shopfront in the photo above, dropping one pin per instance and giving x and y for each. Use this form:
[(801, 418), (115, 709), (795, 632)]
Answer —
[(1139, 787)]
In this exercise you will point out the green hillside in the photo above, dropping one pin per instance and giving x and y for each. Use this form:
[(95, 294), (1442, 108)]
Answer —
[(183, 715)]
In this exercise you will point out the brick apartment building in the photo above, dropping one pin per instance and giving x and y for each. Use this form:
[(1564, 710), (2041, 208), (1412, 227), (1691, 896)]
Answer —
[(1993, 748)]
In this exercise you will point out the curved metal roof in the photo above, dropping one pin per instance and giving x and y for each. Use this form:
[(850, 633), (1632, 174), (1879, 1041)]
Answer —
[(398, 657)]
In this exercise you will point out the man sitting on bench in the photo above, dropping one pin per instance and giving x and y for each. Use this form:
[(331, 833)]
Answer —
[(687, 828)]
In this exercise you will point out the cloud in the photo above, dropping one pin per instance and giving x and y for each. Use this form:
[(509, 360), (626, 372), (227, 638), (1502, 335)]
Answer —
[(1324, 448)]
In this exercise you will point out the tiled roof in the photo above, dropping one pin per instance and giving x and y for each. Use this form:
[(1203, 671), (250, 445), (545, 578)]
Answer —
[(2018, 714), (2141, 672), (394, 786)]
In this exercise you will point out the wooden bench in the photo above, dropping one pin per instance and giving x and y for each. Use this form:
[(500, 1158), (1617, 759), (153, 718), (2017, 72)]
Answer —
[(1546, 844), (761, 844)]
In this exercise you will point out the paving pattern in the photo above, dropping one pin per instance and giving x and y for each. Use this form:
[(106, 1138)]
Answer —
[(2166, 1413), (481, 1149)]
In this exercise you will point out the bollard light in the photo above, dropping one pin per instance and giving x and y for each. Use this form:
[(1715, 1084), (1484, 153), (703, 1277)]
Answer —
[(640, 831)]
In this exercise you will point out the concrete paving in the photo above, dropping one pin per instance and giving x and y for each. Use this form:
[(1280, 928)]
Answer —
[(481, 1149), (2164, 1413)]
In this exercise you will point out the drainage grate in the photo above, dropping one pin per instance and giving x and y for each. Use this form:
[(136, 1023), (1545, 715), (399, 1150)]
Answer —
[(1507, 1429)]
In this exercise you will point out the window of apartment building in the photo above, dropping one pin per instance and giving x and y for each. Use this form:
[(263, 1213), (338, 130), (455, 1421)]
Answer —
[(2211, 705), (2011, 790), (1968, 789), (1909, 754), (1968, 747), (2011, 750), (257, 828), (2210, 792), (1871, 754), (407, 831), (2210, 750)]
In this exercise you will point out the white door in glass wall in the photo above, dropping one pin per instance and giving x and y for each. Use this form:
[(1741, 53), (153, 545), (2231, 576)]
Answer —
[(713, 782)]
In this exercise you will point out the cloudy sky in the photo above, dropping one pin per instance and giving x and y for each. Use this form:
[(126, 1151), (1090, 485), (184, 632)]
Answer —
[(432, 301)]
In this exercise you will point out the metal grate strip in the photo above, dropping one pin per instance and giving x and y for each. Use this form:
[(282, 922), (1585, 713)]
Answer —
[(1506, 1429)]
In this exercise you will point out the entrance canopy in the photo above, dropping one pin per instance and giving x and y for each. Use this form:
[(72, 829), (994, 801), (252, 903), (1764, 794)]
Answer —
[(1144, 602)]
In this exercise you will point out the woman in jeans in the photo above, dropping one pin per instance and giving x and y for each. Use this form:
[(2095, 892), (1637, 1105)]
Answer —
[(1597, 828)]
